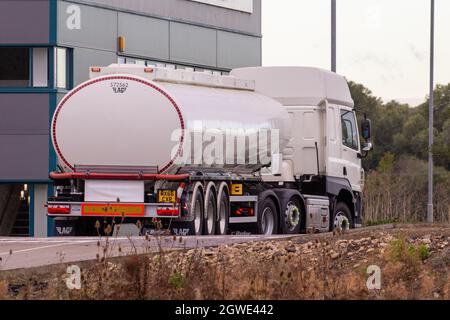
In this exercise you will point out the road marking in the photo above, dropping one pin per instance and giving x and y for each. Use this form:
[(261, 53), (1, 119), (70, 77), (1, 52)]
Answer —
[(40, 248), (92, 239)]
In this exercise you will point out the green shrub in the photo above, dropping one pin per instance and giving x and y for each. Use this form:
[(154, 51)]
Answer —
[(177, 280), (424, 252)]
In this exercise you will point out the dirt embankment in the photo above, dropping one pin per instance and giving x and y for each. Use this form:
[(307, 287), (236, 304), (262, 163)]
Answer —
[(413, 263)]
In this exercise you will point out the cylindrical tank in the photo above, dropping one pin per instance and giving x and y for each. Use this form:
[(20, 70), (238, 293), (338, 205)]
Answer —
[(125, 120)]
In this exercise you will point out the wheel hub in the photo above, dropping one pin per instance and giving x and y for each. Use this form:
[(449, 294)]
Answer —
[(292, 216), (341, 222)]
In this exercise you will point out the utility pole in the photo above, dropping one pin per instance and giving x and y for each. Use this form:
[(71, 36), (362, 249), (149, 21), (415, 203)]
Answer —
[(431, 122), (333, 35)]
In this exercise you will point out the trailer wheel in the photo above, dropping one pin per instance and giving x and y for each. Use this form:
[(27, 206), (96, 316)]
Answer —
[(223, 212), (293, 217), (198, 211), (267, 218), (210, 210), (342, 218)]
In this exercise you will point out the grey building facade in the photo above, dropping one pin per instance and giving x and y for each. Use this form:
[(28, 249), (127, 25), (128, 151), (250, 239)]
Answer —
[(47, 47)]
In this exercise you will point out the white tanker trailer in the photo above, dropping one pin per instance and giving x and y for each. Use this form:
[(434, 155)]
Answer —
[(271, 150)]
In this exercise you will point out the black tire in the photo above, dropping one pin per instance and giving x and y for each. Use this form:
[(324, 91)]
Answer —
[(342, 217), (267, 218), (210, 213), (292, 217), (198, 211), (223, 213)]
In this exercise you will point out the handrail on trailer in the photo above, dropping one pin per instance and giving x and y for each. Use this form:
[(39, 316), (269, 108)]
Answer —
[(117, 176)]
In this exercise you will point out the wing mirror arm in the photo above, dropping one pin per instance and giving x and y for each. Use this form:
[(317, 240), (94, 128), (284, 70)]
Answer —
[(366, 129), (367, 147)]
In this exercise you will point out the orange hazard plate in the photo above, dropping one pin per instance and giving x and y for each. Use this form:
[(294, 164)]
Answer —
[(112, 210)]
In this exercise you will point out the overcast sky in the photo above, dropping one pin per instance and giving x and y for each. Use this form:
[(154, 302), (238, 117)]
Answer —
[(383, 44)]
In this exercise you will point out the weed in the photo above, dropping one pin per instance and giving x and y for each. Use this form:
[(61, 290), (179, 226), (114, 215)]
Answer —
[(424, 252), (177, 280)]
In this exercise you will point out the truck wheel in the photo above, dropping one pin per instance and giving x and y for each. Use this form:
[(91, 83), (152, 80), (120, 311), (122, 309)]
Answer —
[(198, 211), (267, 218), (342, 219), (223, 212), (210, 210), (293, 217)]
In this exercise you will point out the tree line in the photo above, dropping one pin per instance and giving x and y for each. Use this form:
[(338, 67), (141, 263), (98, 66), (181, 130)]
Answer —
[(396, 183)]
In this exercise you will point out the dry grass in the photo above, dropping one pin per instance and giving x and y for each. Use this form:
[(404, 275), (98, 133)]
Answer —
[(333, 267), (392, 197)]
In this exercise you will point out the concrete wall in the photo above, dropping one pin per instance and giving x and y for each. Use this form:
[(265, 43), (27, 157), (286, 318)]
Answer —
[(145, 36), (191, 11), (25, 21), (192, 44), (158, 39), (235, 50), (85, 58), (24, 136), (98, 28)]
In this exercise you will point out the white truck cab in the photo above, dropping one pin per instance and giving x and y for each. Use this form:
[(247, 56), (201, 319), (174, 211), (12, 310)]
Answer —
[(325, 135)]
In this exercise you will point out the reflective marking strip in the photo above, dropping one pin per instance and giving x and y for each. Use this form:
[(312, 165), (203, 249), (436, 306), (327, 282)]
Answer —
[(244, 199), (243, 219)]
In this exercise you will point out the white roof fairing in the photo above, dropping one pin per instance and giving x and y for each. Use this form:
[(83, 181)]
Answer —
[(296, 86)]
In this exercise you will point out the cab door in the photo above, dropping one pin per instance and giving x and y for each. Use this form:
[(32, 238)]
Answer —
[(350, 148)]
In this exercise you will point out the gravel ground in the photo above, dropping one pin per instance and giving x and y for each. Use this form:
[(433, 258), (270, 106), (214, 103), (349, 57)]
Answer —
[(413, 260)]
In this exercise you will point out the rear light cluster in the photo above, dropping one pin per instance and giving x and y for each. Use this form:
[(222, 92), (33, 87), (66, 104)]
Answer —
[(58, 209), (168, 212), (245, 212)]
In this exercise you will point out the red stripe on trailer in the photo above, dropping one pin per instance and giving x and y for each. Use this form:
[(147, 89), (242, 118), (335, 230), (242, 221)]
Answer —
[(117, 176), (100, 79), (58, 209)]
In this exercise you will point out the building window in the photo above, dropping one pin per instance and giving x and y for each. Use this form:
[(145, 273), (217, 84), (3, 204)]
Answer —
[(14, 67), (40, 67), (61, 67), (349, 130)]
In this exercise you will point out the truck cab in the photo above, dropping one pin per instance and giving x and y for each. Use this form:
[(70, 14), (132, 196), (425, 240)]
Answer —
[(325, 133)]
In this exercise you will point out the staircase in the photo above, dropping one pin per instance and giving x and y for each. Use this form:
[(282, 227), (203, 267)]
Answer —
[(22, 224)]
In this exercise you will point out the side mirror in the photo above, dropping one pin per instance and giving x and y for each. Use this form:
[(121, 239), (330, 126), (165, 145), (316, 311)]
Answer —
[(366, 129), (367, 147)]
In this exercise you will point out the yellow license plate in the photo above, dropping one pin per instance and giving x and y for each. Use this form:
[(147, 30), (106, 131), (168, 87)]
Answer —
[(167, 196), (113, 210)]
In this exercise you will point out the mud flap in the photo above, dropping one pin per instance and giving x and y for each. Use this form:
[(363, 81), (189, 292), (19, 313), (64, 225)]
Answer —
[(64, 227), (175, 228)]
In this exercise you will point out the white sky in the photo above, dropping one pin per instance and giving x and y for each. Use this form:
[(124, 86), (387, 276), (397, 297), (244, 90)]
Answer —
[(383, 44)]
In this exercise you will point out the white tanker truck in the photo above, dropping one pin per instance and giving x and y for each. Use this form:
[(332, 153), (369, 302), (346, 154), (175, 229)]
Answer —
[(267, 150)]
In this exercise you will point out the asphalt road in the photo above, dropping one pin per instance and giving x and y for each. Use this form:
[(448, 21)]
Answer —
[(22, 253)]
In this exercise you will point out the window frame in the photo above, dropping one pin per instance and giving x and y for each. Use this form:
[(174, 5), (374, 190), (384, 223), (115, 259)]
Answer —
[(354, 129), (56, 68)]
